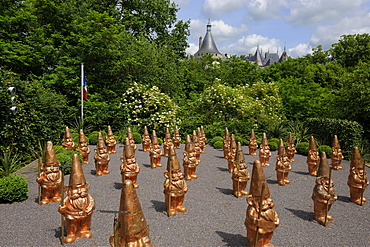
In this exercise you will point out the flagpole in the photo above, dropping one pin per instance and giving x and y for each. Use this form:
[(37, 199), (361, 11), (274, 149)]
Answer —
[(82, 93)]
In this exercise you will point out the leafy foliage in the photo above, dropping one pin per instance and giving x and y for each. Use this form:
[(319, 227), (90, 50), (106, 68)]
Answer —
[(13, 189)]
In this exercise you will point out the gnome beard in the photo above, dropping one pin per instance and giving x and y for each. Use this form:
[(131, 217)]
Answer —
[(79, 200)]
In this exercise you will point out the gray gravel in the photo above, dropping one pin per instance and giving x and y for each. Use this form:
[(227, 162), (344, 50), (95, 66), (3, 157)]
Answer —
[(214, 217)]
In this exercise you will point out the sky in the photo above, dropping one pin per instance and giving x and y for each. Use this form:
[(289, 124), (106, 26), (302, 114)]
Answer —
[(239, 26)]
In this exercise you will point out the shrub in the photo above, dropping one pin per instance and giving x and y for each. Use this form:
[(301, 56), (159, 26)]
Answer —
[(302, 148), (276, 140), (160, 141), (241, 140), (9, 162), (137, 137), (326, 149), (13, 189), (93, 137), (273, 146), (215, 139), (75, 136), (65, 158), (218, 145)]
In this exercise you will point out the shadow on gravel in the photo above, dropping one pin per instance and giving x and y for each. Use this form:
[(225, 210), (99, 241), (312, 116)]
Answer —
[(220, 157), (93, 172), (270, 181), (232, 239), (147, 165), (223, 169), (58, 232), (225, 191), (304, 215), (346, 199), (117, 186), (300, 173), (159, 206)]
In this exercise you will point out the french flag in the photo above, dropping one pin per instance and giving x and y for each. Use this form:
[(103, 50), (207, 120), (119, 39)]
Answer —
[(84, 87)]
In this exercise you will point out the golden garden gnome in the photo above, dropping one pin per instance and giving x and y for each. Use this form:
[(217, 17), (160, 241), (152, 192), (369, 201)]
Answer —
[(68, 143), (131, 138), (78, 205), (282, 165), (252, 144), (202, 139), (83, 148), (232, 154), (176, 138), (226, 143), (101, 157), (240, 174), (175, 186), (50, 177), (190, 161), (147, 142), (336, 154), (155, 152), (129, 167), (323, 194), (265, 153), (111, 141), (133, 230), (262, 219), (290, 149), (167, 143), (197, 148), (357, 179), (313, 158)]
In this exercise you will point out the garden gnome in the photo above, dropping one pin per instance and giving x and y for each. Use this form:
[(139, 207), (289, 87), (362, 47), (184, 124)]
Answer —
[(101, 157), (50, 177), (133, 230), (175, 186), (262, 218), (290, 149), (131, 138), (202, 139), (167, 143), (226, 143), (147, 142), (265, 152), (313, 158), (68, 143), (155, 152), (240, 175), (176, 138), (111, 142), (252, 144), (232, 154), (197, 148), (357, 179), (78, 205), (282, 165), (129, 167), (83, 148), (323, 194), (336, 154), (190, 161)]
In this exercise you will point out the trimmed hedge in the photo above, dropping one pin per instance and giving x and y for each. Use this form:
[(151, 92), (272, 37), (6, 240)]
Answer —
[(13, 189), (214, 140), (273, 146), (326, 149), (93, 137), (137, 137), (218, 145), (302, 148), (65, 158)]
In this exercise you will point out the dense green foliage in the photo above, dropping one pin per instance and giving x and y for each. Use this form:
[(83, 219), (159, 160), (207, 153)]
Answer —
[(13, 189)]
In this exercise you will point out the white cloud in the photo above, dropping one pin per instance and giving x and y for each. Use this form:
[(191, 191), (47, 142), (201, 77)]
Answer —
[(217, 7), (248, 44), (192, 49), (300, 50), (265, 9)]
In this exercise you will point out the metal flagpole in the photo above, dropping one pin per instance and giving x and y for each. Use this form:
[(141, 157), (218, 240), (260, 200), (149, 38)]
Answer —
[(82, 93)]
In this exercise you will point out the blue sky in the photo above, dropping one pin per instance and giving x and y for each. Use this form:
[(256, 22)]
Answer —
[(239, 26)]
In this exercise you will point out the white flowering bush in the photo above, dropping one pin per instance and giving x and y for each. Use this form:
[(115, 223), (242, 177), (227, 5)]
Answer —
[(147, 106)]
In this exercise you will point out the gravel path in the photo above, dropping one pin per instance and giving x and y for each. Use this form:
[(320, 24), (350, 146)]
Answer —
[(214, 217)]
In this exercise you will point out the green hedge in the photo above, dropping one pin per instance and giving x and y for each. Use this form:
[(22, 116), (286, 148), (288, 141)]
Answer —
[(349, 132), (302, 148), (137, 138), (13, 189), (93, 137), (273, 145), (326, 149), (218, 145), (65, 158)]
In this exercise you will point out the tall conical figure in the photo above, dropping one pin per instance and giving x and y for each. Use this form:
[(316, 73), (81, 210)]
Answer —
[(83, 148), (357, 179), (101, 157), (167, 143), (176, 138), (111, 141), (78, 205), (265, 153), (290, 149), (313, 158), (252, 144), (282, 165), (226, 143), (336, 154), (129, 167), (68, 143), (190, 161), (147, 142), (232, 154), (240, 174)]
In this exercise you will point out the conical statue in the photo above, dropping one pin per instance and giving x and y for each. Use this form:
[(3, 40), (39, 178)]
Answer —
[(282, 165), (290, 149), (68, 143), (78, 205), (202, 139), (155, 152), (111, 141), (133, 230), (167, 143), (147, 142), (175, 186), (83, 148), (252, 144), (313, 158), (131, 138), (226, 143), (357, 179), (176, 138), (129, 167), (190, 161), (232, 154), (265, 153), (240, 174), (260, 225), (197, 148), (336, 154), (50, 177), (101, 157), (323, 194)]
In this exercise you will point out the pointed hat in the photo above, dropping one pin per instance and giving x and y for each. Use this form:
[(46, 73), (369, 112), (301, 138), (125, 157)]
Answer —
[(281, 148), (154, 138), (356, 159), (252, 135), (264, 140), (81, 137), (128, 149), (335, 143), (189, 145), (168, 134), (173, 161), (323, 169), (146, 133), (110, 133), (312, 145), (129, 133), (177, 131), (226, 134), (101, 143), (67, 134), (290, 138), (77, 176), (258, 178), (239, 154), (50, 157), (195, 137), (232, 141)]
